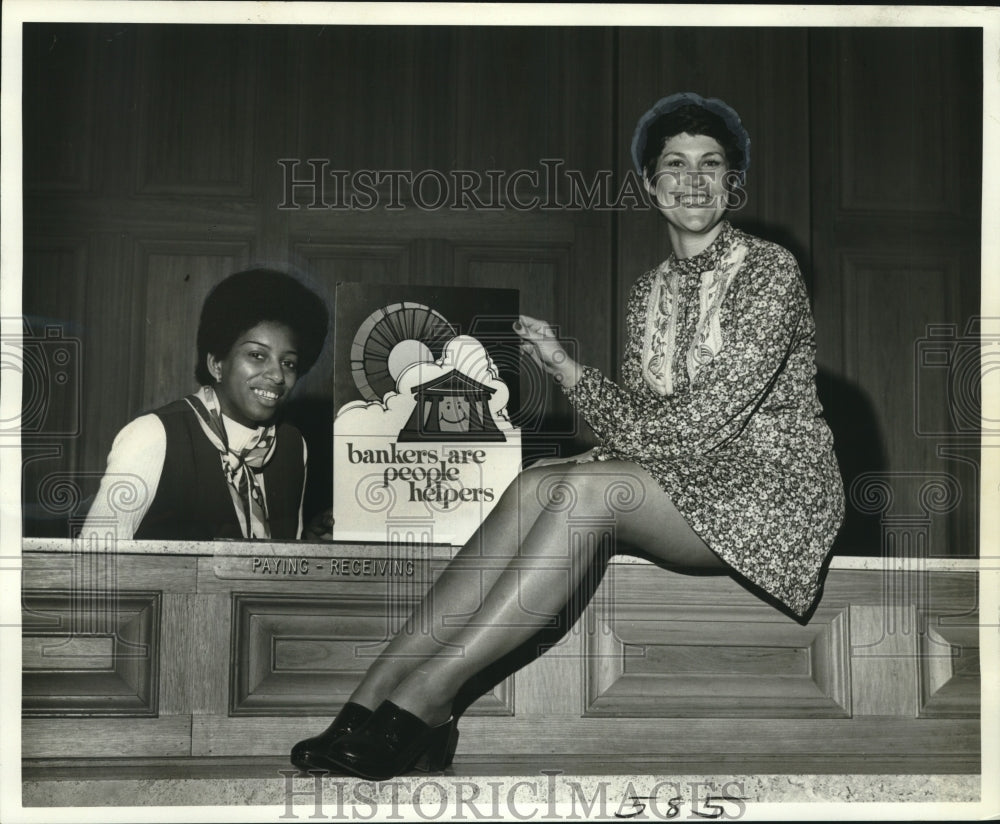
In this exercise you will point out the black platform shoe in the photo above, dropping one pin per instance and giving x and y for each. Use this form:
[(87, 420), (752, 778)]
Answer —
[(393, 742), (350, 719)]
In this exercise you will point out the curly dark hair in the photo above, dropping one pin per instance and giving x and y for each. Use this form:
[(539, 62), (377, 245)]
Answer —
[(244, 299), (693, 120)]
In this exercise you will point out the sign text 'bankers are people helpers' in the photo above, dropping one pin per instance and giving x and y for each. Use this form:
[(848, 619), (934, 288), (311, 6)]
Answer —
[(430, 447)]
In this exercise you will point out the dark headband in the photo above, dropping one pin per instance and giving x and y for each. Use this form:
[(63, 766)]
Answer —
[(676, 101)]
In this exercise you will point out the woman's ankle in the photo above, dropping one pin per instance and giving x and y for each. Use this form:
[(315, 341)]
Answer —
[(376, 688), (419, 695)]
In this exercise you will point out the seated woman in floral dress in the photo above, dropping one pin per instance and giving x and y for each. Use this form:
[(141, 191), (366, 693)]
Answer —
[(715, 426)]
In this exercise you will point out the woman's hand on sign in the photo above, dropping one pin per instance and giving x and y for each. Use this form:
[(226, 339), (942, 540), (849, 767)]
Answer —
[(540, 342)]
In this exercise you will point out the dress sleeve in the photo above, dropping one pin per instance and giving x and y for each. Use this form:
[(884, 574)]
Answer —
[(768, 319), (130, 480)]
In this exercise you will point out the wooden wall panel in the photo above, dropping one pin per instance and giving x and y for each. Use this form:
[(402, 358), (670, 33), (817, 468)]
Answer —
[(883, 654), (90, 653), (541, 274), (896, 186), (51, 352), (881, 351), (108, 338), (51, 365), (358, 106), (656, 661), (80, 570), (177, 276), (368, 261), (195, 647), (294, 655), (778, 205), (898, 102), (103, 738), (329, 263), (492, 106), (950, 674), (61, 83), (195, 125)]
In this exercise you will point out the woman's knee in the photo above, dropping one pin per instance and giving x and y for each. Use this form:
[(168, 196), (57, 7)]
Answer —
[(595, 489), (608, 489), (529, 491)]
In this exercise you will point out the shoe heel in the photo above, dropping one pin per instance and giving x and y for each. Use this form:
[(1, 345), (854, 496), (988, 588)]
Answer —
[(440, 751)]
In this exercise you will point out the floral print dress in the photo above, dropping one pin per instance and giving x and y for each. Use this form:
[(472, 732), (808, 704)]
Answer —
[(718, 403)]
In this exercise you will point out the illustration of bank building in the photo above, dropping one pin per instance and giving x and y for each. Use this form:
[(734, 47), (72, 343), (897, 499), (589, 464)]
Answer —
[(453, 407)]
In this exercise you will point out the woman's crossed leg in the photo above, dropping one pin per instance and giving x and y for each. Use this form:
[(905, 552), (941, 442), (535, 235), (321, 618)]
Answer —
[(554, 526)]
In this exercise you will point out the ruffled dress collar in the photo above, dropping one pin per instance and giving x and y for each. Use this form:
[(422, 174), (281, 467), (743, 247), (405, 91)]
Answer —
[(708, 258), (715, 268)]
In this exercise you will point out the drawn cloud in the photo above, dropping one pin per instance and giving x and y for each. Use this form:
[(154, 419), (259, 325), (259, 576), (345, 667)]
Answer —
[(463, 353)]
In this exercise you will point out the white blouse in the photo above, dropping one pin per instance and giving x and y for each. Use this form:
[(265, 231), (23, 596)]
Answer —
[(132, 476)]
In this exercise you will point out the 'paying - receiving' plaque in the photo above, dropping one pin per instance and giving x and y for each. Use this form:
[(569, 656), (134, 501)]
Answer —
[(425, 383)]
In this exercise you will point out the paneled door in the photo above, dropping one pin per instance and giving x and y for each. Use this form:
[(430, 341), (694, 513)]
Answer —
[(896, 126)]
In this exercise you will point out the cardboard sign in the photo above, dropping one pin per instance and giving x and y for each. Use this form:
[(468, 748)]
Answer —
[(425, 386)]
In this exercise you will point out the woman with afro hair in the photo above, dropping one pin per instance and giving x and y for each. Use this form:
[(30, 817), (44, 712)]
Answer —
[(220, 463)]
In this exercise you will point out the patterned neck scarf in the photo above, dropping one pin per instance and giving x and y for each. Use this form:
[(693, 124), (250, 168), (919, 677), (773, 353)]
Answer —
[(238, 467), (725, 257)]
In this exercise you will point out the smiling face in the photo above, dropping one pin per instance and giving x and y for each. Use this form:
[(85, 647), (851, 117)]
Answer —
[(688, 186), (254, 378), (453, 414)]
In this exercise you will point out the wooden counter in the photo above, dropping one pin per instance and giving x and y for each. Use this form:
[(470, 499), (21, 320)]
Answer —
[(194, 650)]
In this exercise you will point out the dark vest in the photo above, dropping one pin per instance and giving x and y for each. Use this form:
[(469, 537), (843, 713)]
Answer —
[(193, 502)]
